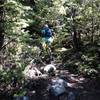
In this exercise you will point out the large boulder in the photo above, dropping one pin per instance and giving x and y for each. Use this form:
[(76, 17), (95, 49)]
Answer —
[(31, 71), (59, 89), (58, 86)]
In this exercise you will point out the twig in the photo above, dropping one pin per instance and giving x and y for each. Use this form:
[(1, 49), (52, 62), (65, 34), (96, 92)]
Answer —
[(7, 44)]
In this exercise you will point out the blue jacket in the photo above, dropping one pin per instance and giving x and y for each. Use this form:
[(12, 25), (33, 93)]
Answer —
[(47, 32)]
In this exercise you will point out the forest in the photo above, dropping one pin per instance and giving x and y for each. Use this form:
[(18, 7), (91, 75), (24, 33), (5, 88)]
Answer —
[(49, 49)]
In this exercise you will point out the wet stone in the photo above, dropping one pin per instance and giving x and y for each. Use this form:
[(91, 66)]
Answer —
[(49, 68), (58, 87)]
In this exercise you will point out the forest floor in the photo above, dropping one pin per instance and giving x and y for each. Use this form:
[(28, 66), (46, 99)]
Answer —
[(83, 88)]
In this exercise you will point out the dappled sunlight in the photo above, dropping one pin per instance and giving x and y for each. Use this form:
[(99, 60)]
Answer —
[(49, 50), (61, 49)]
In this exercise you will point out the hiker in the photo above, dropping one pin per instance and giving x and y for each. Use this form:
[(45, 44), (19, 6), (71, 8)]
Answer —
[(47, 35)]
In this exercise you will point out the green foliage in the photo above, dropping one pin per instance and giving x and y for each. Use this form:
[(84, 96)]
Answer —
[(24, 19)]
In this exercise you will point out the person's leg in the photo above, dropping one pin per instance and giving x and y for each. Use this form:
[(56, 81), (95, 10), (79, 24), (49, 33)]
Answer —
[(49, 42), (44, 43)]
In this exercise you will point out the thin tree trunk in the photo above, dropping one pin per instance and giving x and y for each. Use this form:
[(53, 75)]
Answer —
[(1, 23), (76, 41)]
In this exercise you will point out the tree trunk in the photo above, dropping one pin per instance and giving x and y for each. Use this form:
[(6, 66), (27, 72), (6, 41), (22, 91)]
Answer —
[(1, 23), (76, 41)]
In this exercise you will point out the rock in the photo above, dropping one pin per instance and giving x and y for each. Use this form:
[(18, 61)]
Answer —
[(73, 85), (31, 71), (49, 68), (25, 98), (58, 87), (44, 76), (63, 97), (82, 79), (71, 96)]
